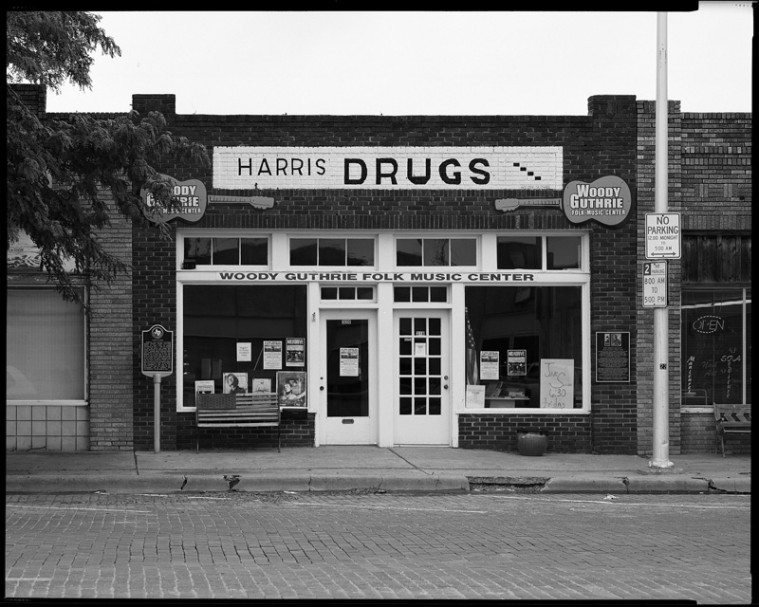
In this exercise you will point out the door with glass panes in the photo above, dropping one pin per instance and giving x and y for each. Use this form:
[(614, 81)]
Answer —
[(348, 379), (422, 393)]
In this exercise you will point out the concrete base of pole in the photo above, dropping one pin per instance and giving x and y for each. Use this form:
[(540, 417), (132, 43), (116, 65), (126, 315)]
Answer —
[(668, 468)]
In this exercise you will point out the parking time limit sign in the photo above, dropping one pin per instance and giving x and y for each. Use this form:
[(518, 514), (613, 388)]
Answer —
[(655, 284), (662, 235)]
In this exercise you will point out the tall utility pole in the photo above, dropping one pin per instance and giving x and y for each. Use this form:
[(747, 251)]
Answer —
[(660, 459)]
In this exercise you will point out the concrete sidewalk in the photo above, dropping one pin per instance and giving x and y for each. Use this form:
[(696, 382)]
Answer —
[(370, 469)]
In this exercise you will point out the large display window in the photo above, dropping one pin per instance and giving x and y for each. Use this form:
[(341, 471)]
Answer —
[(716, 335), (45, 347), (241, 338), (524, 347)]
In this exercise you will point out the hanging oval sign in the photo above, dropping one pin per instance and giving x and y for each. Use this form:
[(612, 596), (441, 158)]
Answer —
[(188, 202), (708, 324), (606, 200)]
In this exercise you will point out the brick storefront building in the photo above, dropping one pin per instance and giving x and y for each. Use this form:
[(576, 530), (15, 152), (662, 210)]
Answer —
[(424, 280)]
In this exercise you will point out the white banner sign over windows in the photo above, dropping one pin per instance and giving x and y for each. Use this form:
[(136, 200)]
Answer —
[(388, 168)]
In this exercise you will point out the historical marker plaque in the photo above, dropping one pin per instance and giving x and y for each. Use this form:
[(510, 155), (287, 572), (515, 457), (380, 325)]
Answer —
[(613, 356), (157, 351)]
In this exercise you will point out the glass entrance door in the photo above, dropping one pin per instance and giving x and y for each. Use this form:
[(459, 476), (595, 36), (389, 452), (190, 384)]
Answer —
[(422, 412), (348, 378)]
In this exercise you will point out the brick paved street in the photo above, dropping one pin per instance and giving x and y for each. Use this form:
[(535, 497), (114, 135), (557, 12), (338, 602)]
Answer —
[(491, 546)]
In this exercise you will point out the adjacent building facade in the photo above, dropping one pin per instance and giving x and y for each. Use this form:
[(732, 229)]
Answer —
[(444, 280)]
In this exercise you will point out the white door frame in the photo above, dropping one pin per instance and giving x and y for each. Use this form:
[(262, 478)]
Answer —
[(329, 427)]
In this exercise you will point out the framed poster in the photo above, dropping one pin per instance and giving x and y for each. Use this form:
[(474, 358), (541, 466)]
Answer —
[(489, 362), (235, 383), (272, 354), (260, 384), (613, 356), (291, 389), (516, 363), (295, 352), (557, 383)]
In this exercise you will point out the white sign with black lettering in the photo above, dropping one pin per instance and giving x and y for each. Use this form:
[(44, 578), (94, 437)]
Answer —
[(655, 284), (662, 235)]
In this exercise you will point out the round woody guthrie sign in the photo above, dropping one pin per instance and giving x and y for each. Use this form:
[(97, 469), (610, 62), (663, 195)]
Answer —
[(606, 200)]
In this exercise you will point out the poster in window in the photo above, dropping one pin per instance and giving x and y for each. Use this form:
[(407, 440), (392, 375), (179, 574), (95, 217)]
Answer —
[(295, 352), (260, 384), (475, 396), (516, 363), (243, 352), (291, 389), (489, 362), (235, 383), (272, 354), (348, 362), (204, 386), (557, 383)]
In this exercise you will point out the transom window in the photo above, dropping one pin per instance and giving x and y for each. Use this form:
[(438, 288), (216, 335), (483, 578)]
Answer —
[(436, 251), (227, 251), (332, 251), (539, 252), (420, 294), (348, 293)]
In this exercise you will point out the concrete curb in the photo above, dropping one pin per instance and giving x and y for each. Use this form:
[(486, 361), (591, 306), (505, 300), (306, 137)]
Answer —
[(663, 484), (730, 484), (172, 482), (584, 485)]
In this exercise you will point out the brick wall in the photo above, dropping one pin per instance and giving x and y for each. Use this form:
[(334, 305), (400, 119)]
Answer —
[(601, 143), (566, 433), (110, 354)]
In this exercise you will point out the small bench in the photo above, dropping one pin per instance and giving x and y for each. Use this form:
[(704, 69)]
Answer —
[(257, 409), (732, 419)]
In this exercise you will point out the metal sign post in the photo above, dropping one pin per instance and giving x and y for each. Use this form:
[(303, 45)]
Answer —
[(157, 362)]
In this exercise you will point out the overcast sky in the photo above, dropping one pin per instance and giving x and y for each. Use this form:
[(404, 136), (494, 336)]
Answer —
[(450, 63)]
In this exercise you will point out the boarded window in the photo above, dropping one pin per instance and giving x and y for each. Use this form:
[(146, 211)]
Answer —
[(723, 258)]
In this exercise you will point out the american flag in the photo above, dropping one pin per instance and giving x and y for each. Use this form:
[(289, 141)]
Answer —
[(472, 376)]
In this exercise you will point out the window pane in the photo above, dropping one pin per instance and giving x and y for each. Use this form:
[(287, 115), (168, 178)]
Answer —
[(518, 252), (420, 293), (563, 252), (408, 252), (360, 251), (402, 293), (550, 327), (364, 293), (254, 251), (303, 251), (347, 293), (438, 294), (436, 252), (226, 251), (198, 249), (44, 346), (712, 336), (463, 251), (216, 317), (332, 251), (329, 292)]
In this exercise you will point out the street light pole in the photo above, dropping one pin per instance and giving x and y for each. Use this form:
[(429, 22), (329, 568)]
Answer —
[(660, 459)]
